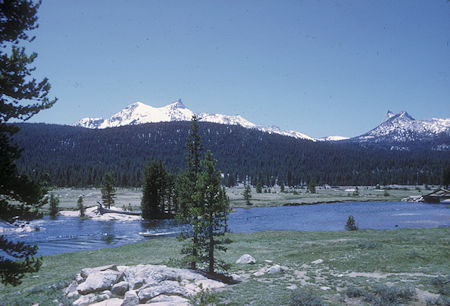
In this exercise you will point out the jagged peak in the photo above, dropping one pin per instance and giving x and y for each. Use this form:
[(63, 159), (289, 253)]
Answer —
[(403, 116), (176, 104), (388, 116)]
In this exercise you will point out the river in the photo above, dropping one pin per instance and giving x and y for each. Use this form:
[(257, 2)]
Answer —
[(67, 234)]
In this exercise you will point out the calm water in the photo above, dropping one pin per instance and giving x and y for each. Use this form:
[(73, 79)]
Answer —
[(66, 234)]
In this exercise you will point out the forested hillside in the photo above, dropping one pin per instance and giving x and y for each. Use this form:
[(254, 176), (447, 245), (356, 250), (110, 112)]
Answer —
[(75, 156)]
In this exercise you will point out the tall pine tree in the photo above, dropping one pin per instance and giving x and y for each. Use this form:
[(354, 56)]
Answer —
[(215, 207), (21, 97), (189, 209)]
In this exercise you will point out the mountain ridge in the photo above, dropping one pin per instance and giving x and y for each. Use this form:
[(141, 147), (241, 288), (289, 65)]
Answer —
[(400, 127), (138, 113)]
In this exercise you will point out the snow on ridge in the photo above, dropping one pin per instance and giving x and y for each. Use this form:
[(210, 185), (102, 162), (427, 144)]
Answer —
[(139, 113), (333, 138)]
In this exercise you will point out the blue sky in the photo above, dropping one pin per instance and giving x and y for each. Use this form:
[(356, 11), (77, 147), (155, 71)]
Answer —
[(319, 67)]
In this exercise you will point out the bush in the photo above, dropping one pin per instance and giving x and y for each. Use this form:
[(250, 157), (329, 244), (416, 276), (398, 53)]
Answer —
[(203, 298), (351, 224), (441, 300), (442, 284), (383, 295), (302, 297)]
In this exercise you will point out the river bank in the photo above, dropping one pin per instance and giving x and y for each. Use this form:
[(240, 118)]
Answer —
[(328, 265)]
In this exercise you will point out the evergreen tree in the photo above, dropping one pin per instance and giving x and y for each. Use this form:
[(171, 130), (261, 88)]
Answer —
[(215, 207), (54, 205), (21, 97), (312, 186), (81, 207), (247, 194), (281, 187), (258, 186), (156, 191), (190, 210), (351, 224), (108, 189)]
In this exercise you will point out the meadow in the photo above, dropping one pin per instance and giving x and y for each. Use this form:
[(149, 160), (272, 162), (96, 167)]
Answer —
[(269, 197), (407, 266)]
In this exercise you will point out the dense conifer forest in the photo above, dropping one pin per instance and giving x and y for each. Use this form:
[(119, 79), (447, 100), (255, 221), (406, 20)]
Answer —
[(79, 157)]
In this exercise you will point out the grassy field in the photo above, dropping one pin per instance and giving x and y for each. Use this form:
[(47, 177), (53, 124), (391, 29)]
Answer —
[(125, 196), (349, 267)]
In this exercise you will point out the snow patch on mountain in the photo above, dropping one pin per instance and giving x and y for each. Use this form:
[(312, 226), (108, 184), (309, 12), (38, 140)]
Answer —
[(138, 113), (403, 127), (333, 138)]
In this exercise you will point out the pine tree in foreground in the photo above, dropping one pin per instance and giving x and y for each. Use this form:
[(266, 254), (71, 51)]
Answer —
[(189, 210), (215, 209), (21, 97)]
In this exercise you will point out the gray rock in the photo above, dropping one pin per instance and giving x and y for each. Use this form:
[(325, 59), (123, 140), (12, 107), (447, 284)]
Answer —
[(74, 295), (318, 261), (246, 259), (166, 288), (110, 302), (72, 288), (274, 269), (79, 279), (99, 281), (169, 300), (86, 271), (85, 300), (131, 298), (120, 288)]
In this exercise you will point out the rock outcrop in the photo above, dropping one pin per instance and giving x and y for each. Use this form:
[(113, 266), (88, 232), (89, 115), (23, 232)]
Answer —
[(246, 259), (127, 286)]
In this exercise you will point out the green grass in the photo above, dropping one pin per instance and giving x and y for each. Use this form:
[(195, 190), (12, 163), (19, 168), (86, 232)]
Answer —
[(365, 259), (124, 196)]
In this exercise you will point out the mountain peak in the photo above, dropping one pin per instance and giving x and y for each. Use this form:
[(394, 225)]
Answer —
[(403, 127), (405, 115), (176, 104), (388, 116)]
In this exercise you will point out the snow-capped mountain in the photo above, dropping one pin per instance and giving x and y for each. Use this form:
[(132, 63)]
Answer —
[(138, 113), (402, 127)]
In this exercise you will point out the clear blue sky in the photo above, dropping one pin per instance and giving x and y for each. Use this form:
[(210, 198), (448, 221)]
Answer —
[(320, 67)]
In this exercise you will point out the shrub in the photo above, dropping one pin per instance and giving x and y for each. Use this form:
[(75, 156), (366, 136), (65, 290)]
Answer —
[(302, 297), (441, 300), (386, 194), (442, 284), (351, 224), (383, 295), (203, 298)]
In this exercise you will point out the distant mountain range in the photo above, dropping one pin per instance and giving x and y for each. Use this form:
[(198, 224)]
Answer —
[(138, 113), (395, 128)]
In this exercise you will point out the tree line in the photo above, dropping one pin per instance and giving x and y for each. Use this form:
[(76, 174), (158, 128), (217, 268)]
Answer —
[(74, 156)]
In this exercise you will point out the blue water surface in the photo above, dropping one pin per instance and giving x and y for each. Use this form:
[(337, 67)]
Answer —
[(67, 234)]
